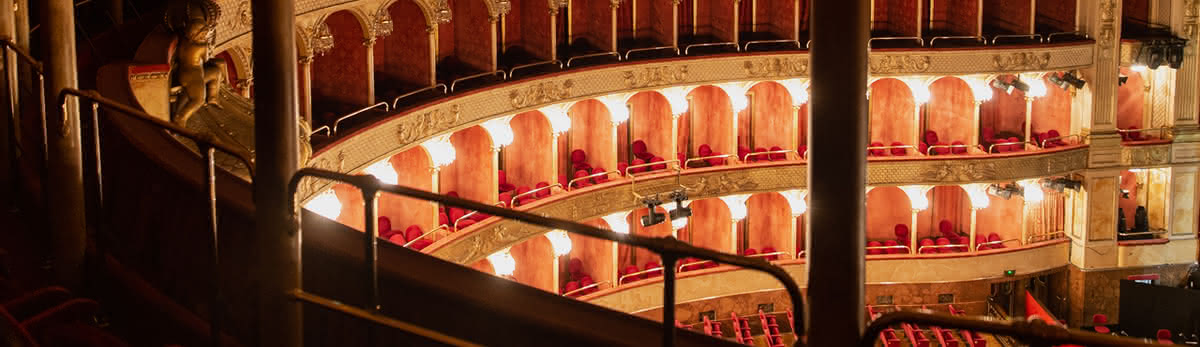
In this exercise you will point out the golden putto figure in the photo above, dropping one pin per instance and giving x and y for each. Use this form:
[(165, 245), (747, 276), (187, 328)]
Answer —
[(197, 74)]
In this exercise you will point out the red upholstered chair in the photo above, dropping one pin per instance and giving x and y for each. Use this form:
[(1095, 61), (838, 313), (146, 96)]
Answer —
[(575, 267), (980, 246), (705, 150), (946, 228), (902, 233), (413, 232), (397, 239), (803, 150), (892, 243), (1164, 337), (542, 193), (1016, 147), (582, 166), (637, 162), (420, 244), (743, 151), (452, 193), (570, 287), (958, 150), (443, 219), (629, 270), (456, 213), (876, 152), (621, 168), (749, 252), (384, 227), (659, 166), (504, 186), (578, 156), (1134, 136), (927, 242), (760, 156), (897, 150), (466, 223), (942, 241), (994, 237), (579, 174), (1056, 142), (650, 265), (961, 240), (584, 282), (599, 179), (777, 156), (769, 250), (524, 199), (639, 148), (1100, 321), (874, 251), (506, 197), (931, 139), (562, 180)]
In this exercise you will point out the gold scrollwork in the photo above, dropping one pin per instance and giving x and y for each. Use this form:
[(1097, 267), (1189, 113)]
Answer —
[(419, 126), (655, 76), (1145, 155), (335, 163), (1021, 61), (891, 64), (540, 93), (780, 66)]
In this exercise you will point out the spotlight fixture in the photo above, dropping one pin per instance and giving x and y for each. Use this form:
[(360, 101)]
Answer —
[(652, 217), (1006, 191), (1175, 55), (1008, 87), (1155, 53), (1061, 184), (1121, 79), (679, 216), (1157, 56), (1066, 80), (1017, 83)]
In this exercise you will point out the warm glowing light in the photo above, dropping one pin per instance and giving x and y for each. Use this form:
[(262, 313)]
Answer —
[(617, 222), (737, 205), (501, 131), (679, 223), (1032, 190), (799, 90), (978, 194), (979, 88), (560, 122), (325, 204), (503, 263), (440, 150), (795, 198), (677, 97), (383, 171), (1037, 85), (1139, 68), (916, 196), (920, 91), (737, 95), (560, 242), (616, 107)]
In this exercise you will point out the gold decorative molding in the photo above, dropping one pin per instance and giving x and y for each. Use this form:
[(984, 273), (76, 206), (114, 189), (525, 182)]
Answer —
[(1022, 61), (418, 126), (654, 76), (895, 64), (541, 93), (1151, 155), (776, 67), (956, 171)]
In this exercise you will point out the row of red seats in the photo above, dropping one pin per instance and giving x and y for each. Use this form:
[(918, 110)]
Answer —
[(1047, 136), (973, 338), (891, 246), (577, 279), (508, 190), (1135, 135), (771, 329), (741, 330), (706, 151), (887, 337), (931, 139), (989, 139), (630, 272), (402, 237), (743, 151)]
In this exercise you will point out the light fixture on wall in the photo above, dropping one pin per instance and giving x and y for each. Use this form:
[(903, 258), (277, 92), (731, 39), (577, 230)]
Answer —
[(1037, 88), (618, 222), (617, 110), (795, 199), (681, 213), (1004, 191), (440, 150), (1031, 190), (325, 204), (383, 171), (560, 121), (503, 262), (798, 89), (916, 196), (652, 217), (501, 131), (920, 90), (977, 192), (677, 98), (979, 88), (737, 95), (559, 241), (1060, 184), (1066, 80)]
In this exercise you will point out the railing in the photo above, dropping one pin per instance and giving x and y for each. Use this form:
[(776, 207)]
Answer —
[(472, 214), (621, 280), (993, 243), (324, 128), (517, 197), (905, 248), (1036, 333), (15, 110), (993, 146), (1162, 131), (207, 145), (442, 227), (920, 41), (669, 249), (629, 169), (889, 148), (593, 55), (1142, 233), (571, 183), (746, 158), (691, 264), (712, 44), (1050, 37), (647, 49), (1037, 37), (769, 254), (725, 158), (929, 150), (540, 63), (384, 104), (581, 289), (503, 76), (1078, 139), (375, 317), (633, 178), (922, 248), (396, 101), (1045, 236), (958, 37), (746, 47)]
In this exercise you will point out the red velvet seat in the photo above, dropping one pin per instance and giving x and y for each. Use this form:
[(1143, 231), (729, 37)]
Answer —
[(660, 166), (961, 240), (413, 232), (384, 227), (575, 267), (931, 139), (874, 251), (523, 199), (580, 174), (1100, 320), (1015, 147), (704, 150), (584, 282), (544, 192), (570, 287), (742, 151), (897, 150), (506, 198), (927, 242), (994, 237), (621, 168), (637, 162), (650, 265), (902, 233), (803, 150), (420, 244), (769, 250), (397, 239), (639, 149), (749, 252), (455, 214), (502, 178), (629, 270), (1056, 142), (876, 152), (443, 219), (946, 228), (980, 246), (599, 179), (777, 156), (1133, 135), (958, 150), (760, 156), (1164, 337), (578, 156), (466, 223), (942, 241), (892, 247)]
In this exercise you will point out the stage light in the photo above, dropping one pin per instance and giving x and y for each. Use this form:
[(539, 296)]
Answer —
[(679, 216), (1006, 191), (1073, 80), (652, 217), (1175, 55)]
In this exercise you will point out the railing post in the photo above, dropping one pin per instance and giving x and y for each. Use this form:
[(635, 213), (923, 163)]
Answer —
[(64, 184), (668, 321), (9, 153), (210, 189), (371, 252)]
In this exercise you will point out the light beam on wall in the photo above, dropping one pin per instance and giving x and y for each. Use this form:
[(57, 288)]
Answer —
[(325, 204), (383, 171), (617, 109), (737, 205), (440, 150), (617, 222), (1037, 85), (917, 196), (977, 192), (737, 95), (560, 242), (795, 199), (503, 262), (677, 98), (979, 88), (1031, 190), (798, 89), (500, 130), (560, 121)]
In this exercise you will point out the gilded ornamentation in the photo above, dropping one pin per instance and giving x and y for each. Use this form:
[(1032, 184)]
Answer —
[(734, 181), (541, 93), (441, 11), (245, 16), (321, 39), (381, 23), (1145, 155), (502, 7), (1021, 61), (893, 64), (334, 163), (419, 126), (776, 67), (199, 77), (655, 76)]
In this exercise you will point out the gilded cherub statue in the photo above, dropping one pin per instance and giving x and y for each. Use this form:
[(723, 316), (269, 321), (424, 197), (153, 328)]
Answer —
[(197, 75)]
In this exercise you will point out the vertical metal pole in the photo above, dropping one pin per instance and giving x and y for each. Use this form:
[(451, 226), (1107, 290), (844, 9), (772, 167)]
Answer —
[(836, 160), (276, 141), (64, 186), (668, 321), (9, 147), (371, 253), (98, 199), (210, 189)]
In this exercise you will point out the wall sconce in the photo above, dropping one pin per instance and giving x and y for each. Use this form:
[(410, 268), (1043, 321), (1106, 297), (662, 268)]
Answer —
[(325, 204), (920, 91), (1031, 190), (383, 171), (737, 95), (677, 98), (560, 121), (1037, 88), (616, 107), (737, 205), (500, 130), (979, 88), (560, 242), (795, 199), (440, 150), (916, 196), (798, 89), (977, 192), (617, 222), (503, 263)]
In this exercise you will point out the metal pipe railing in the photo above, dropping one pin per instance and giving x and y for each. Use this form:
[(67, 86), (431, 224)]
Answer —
[(207, 144), (621, 280), (1045, 236), (1037, 37), (726, 157), (1162, 131), (633, 178), (922, 248), (746, 158), (647, 49), (993, 243), (503, 76), (904, 247), (442, 227), (515, 198), (694, 263), (769, 254), (593, 55), (15, 110), (920, 41), (1078, 139), (375, 317), (385, 105), (711, 44), (957, 37), (324, 128), (396, 101), (991, 147), (1141, 233), (472, 214), (583, 288), (669, 249), (929, 150), (746, 47), (540, 63), (571, 183), (1036, 333), (1050, 37)]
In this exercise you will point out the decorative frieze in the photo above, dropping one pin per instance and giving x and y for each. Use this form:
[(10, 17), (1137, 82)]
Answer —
[(1022, 61), (898, 64), (776, 67), (654, 76), (541, 93)]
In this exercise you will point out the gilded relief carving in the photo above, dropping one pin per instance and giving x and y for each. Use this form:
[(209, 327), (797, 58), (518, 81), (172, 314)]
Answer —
[(1137, 156), (655, 76), (541, 93), (336, 163), (893, 64), (1021, 61), (416, 127), (776, 67), (964, 171)]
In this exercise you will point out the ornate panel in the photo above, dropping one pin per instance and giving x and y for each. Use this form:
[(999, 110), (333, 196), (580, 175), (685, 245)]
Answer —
[(1141, 156)]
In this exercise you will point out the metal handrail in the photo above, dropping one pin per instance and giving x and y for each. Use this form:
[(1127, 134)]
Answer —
[(957, 37), (571, 183), (593, 55), (669, 249), (1046, 236), (513, 203), (629, 169), (207, 145), (681, 267), (1078, 139), (718, 156), (633, 178), (1036, 332), (328, 132), (746, 47), (396, 101), (621, 280), (39, 70), (590, 286), (998, 242), (929, 150), (922, 248), (746, 158), (471, 214), (993, 146), (647, 49), (385, 105), (439, 228), (904, 247), (710, 44), (518, 67), (1140, 233), (764, 255), (801, 254), (376, 318), (920, 41), (1162, 131), (911, 147), (1050, 37), (1013, 36), (503, 76)]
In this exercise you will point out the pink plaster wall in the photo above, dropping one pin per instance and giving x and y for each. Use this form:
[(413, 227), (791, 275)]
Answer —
[(711, 226), (528, 160), (773, 124), (340, 76), (652, 123), (886, 207), (892, 112), (769, 217), (1131, 100), (412, 170), (950, 110)]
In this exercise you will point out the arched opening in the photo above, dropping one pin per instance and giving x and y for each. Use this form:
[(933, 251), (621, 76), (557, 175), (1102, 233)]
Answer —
[(526, 36), (650, 123), (466, 45), (768, 124), (231, 72), (1131, 100), (593, 135), (892, 18), (535, 264), (948, 217), (635, 259), (893, 118), (412, 169), (529, 160), (591, 29), (888, 212), (340, 81), (949, 116), (472, 175), (710, 21), (708, 123), (1002, 118), (768, 226), (1000, 221), (766, 20), (1051, 114), (711, 226), (591, 260), (402, 59), (652, 26)]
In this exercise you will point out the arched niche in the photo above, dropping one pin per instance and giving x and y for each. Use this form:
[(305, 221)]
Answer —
[(1002, 216), (340, 81), (593, 132), (598, 256), (887, 207), (352, 213), (535, 264), (231, 71), (526, 35), (473, 173), (1007, 17), (413, 169), (774, 19), (1051, 111), (638, 256), (896, 18), (708, 21), (1131, 100), (650, 121), (768, 121), (403, 59), (769, 222), (530, 158), (893, 110), (948, 203), (466, 44), (950, 111), (711, 226), (654, 26), (1004, 114), (592, 27), (709, 120)]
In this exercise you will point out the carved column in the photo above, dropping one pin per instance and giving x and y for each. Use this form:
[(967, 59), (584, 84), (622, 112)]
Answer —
[(370, 44), (675, 23), (493, 23), (1183, 206), (1101, 20), (1095, 241), (554, 34), (433, 53), (304, 83), (1185, 22), (64, 186)]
